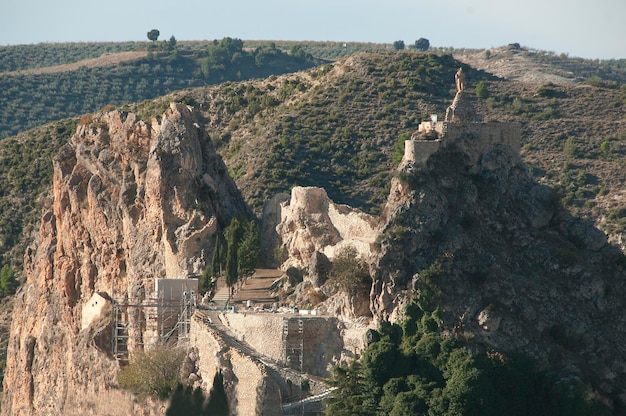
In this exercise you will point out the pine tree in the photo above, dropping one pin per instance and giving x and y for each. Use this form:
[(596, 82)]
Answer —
[(206, 280), (233, 234), (180, 403), (249, 250), (217, 261)]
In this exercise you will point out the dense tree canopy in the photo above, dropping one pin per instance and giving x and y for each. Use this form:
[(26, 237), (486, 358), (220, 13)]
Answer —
[(243, 249), (413, 369), (398, 45)]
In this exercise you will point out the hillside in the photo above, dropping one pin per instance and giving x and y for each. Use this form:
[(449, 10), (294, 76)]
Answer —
[(340, 126), (48, 82), (336, 126), (42, 84), (516, 63)]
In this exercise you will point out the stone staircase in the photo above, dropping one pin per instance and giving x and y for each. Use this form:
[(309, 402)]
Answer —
[(256, 289), (220, 300)]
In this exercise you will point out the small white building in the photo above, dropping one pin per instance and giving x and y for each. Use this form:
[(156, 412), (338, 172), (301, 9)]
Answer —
[(93, 309)]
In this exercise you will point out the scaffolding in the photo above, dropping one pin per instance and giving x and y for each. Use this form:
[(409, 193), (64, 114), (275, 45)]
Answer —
[(160, 321), (293, 343)]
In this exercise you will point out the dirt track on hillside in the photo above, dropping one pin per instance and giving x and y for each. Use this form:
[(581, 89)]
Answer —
[(108, 59)]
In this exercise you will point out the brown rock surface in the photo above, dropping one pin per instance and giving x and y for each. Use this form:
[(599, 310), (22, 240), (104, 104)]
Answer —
[(132, 202)]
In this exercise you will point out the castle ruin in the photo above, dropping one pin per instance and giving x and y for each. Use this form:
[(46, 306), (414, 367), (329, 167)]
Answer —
[(461, 128)]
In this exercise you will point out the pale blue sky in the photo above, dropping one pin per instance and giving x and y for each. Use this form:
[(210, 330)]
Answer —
[(589, 29)]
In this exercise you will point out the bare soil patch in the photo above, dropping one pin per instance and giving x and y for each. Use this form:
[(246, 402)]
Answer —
[(107, 59)]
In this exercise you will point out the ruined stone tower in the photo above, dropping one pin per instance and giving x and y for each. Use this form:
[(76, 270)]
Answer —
[(461, 128)]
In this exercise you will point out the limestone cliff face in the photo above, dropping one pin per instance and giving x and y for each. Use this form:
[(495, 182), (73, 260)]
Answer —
[(132, 202), (311, 222)]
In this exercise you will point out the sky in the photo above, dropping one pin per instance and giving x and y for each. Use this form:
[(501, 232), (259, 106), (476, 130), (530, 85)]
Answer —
[(580, 28)]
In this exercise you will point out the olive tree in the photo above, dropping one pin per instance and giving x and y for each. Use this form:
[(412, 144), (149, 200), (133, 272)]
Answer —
[(398, 45)]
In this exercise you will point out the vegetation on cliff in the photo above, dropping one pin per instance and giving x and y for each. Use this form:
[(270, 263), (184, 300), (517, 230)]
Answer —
[(412, 369), (239, 256)]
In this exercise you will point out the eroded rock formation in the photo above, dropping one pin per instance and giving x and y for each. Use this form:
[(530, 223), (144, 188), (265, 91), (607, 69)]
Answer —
[(132, 202), (311, 222)]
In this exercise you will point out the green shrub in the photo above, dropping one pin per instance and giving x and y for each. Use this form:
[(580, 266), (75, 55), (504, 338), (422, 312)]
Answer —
[(482, 90), (398, 148), (153, 373), (349, 271), (595, 81), (570, 148), (8, 283)]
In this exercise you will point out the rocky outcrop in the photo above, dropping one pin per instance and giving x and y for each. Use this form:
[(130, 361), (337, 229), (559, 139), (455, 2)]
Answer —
[(472, 236), (133, 202), (311, 222)]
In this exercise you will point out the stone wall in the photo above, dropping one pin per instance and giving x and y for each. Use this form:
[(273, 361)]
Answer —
[(249, 387), (263, 332), (419, 151), (473, 139), (322, 339)]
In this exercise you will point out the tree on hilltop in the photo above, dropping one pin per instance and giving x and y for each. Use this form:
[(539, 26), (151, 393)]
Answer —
[(153, 35), (422, 44), (398, 45), (171, 44)]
